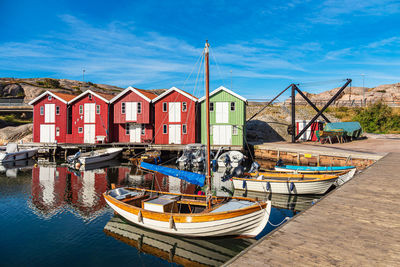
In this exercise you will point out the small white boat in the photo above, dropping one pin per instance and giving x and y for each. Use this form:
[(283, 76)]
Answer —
[(299, 184), (230, 159), (12, 153), (95, 156), (193, 156)]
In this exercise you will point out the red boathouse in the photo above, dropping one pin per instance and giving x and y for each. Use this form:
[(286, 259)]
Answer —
[(50, 117), (133, 116), (91, 118), (175, 117)]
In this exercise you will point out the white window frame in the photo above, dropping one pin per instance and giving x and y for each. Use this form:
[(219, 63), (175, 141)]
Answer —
[(164, 107), (80, 109), (57, 131), (184, 129), (49, 97), (97, 109), (235, 130), (165, 129), (139, 108), (57, 110), (211, 106), (234, 106), (143, 130), (127, 129), (42, 110), (184, 106), (80, 129), (123, 108), (90, 96)]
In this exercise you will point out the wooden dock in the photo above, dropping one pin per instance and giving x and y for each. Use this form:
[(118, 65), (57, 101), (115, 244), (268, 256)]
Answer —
[(356, 225)]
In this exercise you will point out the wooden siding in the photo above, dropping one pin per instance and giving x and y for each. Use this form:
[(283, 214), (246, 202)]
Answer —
[(236, 117), (60, 120), (142, 118), (188, 118)]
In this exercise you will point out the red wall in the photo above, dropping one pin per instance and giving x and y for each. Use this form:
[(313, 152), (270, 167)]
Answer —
[(119, 132), (101, 120), (187, 118), (60, 120)]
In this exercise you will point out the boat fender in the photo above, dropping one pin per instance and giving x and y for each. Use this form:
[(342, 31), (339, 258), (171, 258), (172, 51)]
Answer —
[(244, 184), (140, 216), (268, 186), (171, 223), (291, 186)]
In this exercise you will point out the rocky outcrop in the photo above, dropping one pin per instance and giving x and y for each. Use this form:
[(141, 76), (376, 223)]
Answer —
[(15, 134), (13, 90)]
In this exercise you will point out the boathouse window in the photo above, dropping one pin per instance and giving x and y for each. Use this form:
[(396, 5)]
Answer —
[(49, 97), (184, 106), (80, 109), (143, 130), (139, 107), (165, 129), (90, 97), (57, 110), (184, 129), (58, 131), (234, 130), (232, 106), (127, 128), (123, 108), (164, 106), (97, 109), (41, 110), (80, 130), (211, 106)]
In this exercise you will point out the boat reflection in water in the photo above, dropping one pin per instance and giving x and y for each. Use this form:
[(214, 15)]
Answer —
[(11, 169), (180, 250), (295, 203), (58, 188)]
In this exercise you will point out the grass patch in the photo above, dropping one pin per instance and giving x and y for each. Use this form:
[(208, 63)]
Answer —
[(11, 118)]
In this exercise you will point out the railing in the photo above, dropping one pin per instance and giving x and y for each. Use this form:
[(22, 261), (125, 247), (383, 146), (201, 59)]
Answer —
[(13, 102), (337, 103)]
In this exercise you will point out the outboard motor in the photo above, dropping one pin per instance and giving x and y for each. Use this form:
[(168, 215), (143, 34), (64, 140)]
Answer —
[(254, 167), (238, 171), (227, 161), (280, 163), (74, 158)]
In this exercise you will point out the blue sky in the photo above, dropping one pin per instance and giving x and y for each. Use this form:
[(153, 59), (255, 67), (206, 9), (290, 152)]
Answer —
[(261, 46)]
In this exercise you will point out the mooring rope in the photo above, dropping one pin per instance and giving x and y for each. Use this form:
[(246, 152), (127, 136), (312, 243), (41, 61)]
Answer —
[(279, 224)]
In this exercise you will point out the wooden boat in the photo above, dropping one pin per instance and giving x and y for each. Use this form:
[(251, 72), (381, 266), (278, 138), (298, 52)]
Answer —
[(13, 153), (191, 215), (95, 156), (282, 183), (179, 250), (152, 156), (345, 173)]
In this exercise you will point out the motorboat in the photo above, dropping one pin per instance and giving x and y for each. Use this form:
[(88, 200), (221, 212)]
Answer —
[(193, 156), (13, 153), (95, 156), (230, 159)]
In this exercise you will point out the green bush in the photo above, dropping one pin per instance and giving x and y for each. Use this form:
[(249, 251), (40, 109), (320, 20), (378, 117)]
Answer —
[(378, 118), (49, 83)]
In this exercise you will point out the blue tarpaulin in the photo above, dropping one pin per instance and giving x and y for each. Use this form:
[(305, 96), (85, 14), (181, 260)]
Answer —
[(191, 177)]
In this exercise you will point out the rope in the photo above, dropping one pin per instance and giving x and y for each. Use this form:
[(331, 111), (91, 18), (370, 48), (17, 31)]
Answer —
[(279, 224)]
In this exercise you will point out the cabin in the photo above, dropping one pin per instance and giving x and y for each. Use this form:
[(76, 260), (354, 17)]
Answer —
[(50, 117), (133, 116), (175, 117), (227, 118), (90, 119)]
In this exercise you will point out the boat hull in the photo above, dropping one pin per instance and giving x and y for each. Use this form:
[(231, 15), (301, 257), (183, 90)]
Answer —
[(99, 158), (310, 187), (19, 155), (248, 222)]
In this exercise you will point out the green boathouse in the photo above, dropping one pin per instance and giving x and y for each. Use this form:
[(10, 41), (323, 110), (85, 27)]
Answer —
[(227, 118)]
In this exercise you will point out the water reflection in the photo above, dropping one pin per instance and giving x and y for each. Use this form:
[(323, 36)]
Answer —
[(180, 250), (11, 169)]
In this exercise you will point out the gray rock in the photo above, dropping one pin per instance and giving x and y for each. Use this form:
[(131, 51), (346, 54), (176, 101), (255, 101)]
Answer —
[(12, 90)]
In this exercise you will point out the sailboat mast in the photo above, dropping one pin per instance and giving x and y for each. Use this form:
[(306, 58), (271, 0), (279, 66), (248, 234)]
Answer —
[(207, 84)]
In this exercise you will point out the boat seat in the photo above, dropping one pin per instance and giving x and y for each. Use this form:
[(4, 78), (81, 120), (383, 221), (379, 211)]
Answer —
[(121, 193), (233, 205)]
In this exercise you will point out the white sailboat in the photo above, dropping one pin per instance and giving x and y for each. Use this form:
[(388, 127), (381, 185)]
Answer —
[(191, 215)]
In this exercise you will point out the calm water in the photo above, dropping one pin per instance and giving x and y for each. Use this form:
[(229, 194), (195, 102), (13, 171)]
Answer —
[(51, 215)]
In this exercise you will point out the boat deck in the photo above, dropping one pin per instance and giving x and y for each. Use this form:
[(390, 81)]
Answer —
[(356, 225)]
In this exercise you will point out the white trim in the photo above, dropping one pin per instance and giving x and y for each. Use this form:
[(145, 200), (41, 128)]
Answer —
[(221, 88), (87, 92), (130, 88), (45, 93), (177, 90)]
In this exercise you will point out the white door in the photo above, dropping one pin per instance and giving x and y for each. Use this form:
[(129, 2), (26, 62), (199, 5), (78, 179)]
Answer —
[(134, 133), (174, 134), (222, 112), (49, 113), (174, 112), (131, 111), (89, 132), (222, 134), (90, 113), (47, 133)]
